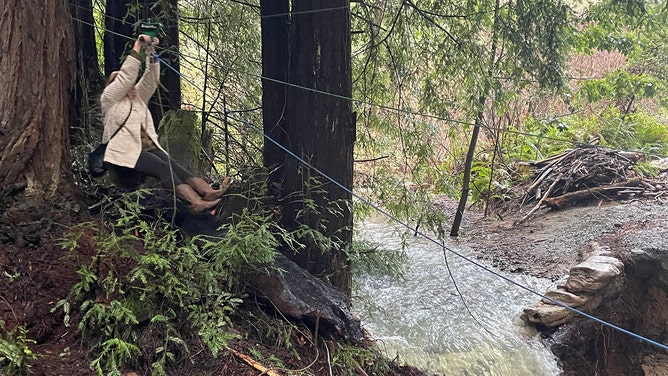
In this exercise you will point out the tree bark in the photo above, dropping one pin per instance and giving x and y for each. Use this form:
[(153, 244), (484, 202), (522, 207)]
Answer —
[(275, 27), (90, 80), (169, 94), (37, 66), (315, 123), (117, 33), (180, 135)]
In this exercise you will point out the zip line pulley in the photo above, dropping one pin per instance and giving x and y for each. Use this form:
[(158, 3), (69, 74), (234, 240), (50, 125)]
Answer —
[(148, 27)]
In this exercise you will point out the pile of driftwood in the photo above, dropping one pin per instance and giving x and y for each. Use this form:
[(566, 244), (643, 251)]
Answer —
[(589, 174)]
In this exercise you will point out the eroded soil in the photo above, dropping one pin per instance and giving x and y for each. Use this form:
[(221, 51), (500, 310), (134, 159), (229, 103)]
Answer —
[(551, 242)]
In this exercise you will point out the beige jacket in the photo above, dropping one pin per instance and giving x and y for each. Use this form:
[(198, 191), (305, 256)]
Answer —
[(124, 148)]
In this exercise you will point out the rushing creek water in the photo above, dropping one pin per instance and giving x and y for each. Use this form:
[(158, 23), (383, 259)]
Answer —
[(421, 319)]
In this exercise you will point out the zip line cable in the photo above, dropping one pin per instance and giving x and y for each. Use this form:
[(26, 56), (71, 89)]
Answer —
[(446, 248), (422, 234), (357, 101), (442, 245)]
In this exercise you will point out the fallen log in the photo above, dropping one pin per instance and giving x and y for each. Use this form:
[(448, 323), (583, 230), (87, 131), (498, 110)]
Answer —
[(287, 287), (596, 193)]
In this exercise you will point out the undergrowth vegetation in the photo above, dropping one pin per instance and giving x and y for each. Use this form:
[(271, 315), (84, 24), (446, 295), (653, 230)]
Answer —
[(147, 294), (15, 350), (146, 285)]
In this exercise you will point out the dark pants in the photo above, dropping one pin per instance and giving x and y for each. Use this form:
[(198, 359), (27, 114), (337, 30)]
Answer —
[(155, 163)]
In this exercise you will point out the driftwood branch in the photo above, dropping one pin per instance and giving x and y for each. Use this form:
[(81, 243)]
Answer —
[(538, 205), (586, 174), (251, 362)]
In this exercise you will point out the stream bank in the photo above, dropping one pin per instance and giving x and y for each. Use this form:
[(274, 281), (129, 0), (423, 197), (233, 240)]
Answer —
[(553, 242)]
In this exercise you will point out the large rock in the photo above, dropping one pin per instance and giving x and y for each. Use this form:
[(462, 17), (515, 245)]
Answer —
[(549, 315), (593, 274), (567, 298), (296, 293), (584, 289)]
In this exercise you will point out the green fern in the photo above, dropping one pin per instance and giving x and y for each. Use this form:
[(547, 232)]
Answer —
[(15, 350)]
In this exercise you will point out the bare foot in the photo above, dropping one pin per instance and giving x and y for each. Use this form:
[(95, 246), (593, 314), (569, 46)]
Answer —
[(218, 193), (201, 206)]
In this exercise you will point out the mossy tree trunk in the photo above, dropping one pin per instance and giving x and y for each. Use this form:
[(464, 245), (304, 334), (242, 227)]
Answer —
[(180, 134)]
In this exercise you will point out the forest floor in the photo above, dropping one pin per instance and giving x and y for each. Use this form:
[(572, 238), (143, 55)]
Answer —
[(34, 278)]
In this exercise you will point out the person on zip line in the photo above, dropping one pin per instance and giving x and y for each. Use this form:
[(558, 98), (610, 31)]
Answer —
[(135, 149)]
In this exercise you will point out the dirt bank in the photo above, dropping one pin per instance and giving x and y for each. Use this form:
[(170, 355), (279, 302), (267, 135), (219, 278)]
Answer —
[(35, 273), (551, 242)]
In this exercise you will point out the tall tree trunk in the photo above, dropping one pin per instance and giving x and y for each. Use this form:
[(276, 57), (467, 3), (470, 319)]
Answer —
[(479, 118), (169, 92), (317, 125), (117, 33), (275, 29), (37, 67), (89, 81)]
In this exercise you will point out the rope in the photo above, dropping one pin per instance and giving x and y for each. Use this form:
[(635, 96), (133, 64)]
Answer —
[(420, 233)]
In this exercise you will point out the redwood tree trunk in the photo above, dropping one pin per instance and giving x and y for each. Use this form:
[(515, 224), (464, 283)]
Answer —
[(90, 80), (118, 33), (37, 68), (315, 122), (275, 28), (170, 80)]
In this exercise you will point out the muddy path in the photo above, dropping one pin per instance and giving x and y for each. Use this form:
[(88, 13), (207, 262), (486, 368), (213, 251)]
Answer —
[(551, 242)]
